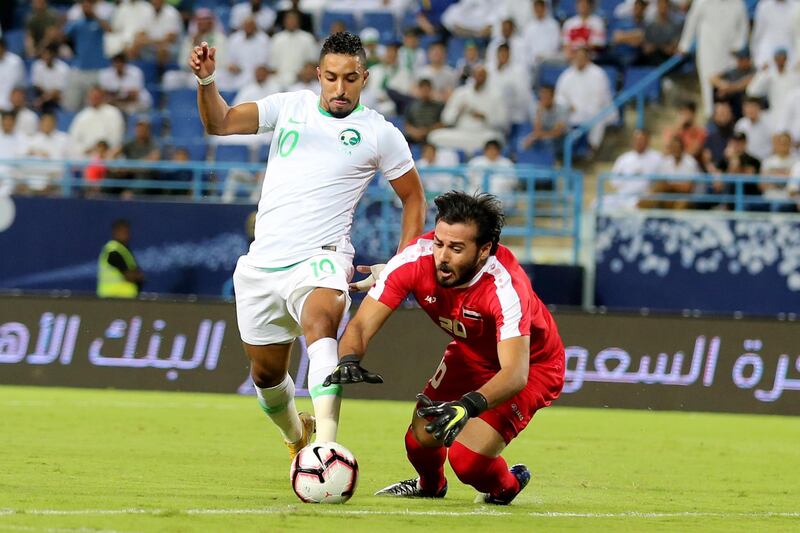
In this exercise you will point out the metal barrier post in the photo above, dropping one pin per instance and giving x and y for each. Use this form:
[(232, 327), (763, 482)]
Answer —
[(739, 191), (197, 183), (640, 109)]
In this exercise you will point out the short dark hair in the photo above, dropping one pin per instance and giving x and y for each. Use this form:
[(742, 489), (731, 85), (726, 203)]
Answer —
[(492, 143), (689, 105), (344, 43), (482, 209), (120, 223)]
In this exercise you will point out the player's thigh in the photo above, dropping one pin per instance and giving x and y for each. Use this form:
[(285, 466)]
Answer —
[(321, 313), (261, 311), (269, 364), (481, 438), (319, 294)]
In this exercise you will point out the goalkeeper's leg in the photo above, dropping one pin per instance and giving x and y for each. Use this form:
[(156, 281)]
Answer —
[(427, 456), (475, 458)]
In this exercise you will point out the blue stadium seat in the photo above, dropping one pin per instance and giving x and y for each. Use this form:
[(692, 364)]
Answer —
[(263, 153), (549, 73), (536, 156), (156, 123), (15, 41), (182, 101), (634, 74), (232, 153), (229, 96), (383, 22), (566, 9), (64, 119), (197, 148), (223, 13), (329, 17), (150, 71), (613, 77), (455, 49), (606, 8), (186, 126)]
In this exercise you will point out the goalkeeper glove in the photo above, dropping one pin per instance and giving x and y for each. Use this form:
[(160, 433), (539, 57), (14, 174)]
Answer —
[(450, 417), (369, 281), (349, 370)]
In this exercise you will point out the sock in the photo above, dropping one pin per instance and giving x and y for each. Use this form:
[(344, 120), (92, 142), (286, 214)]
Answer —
[(487, 474), (428, 462), (322, 359), (278, 403)]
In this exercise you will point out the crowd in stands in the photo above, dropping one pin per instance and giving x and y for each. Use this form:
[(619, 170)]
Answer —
[(481, 82)]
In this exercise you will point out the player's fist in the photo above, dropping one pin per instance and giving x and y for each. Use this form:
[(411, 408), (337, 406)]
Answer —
[(374, 272), (202, 60), (449, 418), (349, 370)]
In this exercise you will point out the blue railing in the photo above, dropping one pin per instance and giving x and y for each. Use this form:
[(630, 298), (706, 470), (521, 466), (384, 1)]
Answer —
[(637, 90), (538, 201), (735, 194)]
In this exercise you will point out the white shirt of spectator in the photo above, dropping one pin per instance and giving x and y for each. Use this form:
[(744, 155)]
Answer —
[(290, 51), (12, 74), (776, 86), (132, 79), (685, 167), (164, 22), (516, 45), (443, 79), (596, 26), (27, 122), (472, 15), (247, 53), (319, 167), (53, 78), (627, 185), (90, 125), (790, 119), (438, 182), (467, 98), (54, 146), (129, 18), (312, 86), (254, 91), (759, 135), (102, 9), (772, 29), (520, 12), (541, 39), (514, 86), (265, 18), (502, 178), (776, 165), (584, 92), (793, 186)]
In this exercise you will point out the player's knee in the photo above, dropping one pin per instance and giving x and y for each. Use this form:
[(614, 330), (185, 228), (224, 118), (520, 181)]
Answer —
[(424, 438), (265, 377)]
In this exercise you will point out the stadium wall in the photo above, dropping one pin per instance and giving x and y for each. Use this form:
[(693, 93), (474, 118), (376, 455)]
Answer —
[(613, 360)]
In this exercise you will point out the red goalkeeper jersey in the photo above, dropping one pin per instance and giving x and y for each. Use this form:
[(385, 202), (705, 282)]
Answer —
[(498, 303)]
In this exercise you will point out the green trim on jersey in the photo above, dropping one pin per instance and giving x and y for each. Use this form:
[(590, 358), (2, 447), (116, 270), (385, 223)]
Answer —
[(278, 269), (327, 113)]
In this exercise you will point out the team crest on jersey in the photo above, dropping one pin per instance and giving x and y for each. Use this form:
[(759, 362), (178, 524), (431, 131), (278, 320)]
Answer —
[(349, 138)]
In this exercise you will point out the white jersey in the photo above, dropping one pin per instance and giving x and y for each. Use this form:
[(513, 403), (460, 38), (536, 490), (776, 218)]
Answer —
[(318, 169)]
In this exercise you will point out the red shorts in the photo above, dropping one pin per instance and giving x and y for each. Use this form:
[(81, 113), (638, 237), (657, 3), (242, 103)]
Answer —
[(458, 375)]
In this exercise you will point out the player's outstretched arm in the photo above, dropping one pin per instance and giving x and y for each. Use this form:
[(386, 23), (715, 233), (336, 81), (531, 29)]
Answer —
[(408, 188), (514, 356), (218, 118), (370, 317)]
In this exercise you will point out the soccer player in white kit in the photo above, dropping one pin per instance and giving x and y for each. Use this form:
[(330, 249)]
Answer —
[(295, 278)]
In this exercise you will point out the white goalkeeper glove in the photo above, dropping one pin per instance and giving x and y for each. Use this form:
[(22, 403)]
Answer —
[(374, 272)]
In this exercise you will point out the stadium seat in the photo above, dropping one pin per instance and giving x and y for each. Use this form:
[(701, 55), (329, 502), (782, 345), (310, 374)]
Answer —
[(566, 9), (228, 96), (156, 122), (150, 71), (383, 22), (549, 73), (223, 13), (613, 77), (64, 119), (537, 156), (181, 101), (186, 126), (606, 9), (15, 41), (634, 74), (197, 148), (232, 153), (455, 50), (263, 153), (329, 17)]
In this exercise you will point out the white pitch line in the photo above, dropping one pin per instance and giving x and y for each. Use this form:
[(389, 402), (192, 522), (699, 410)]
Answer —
[(406, 512)]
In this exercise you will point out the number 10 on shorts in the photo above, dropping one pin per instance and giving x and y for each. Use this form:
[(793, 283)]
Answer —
[(323, 267)]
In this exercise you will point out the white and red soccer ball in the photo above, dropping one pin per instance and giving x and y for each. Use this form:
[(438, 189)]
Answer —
[(324, 472)]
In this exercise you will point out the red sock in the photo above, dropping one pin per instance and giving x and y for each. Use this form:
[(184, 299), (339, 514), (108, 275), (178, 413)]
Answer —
[(428, 462), (486, 474)]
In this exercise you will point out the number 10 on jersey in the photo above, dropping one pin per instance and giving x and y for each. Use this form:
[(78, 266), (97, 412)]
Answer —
[(287, 141)]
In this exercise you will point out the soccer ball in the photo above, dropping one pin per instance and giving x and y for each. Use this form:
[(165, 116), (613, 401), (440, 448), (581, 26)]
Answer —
[(324, 472)]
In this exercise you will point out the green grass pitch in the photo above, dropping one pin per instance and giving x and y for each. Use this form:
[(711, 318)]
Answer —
[(100, 460)]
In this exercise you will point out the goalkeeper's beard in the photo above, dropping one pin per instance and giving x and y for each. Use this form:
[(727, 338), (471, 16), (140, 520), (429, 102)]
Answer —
[(458, 279)]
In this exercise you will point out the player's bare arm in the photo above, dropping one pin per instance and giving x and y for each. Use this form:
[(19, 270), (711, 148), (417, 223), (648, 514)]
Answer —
[(370, 317), (217, 116), (408, 188), (514, 356)]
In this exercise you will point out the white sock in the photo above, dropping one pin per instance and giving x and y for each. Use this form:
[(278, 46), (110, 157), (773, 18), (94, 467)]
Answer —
[(278, 403), (322, 359)]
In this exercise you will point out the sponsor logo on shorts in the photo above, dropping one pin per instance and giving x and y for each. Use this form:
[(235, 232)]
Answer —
[(517, 412), (430, 299)]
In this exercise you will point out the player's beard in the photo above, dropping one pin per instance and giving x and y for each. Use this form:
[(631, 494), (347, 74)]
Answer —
[(460, 279), (343, 113)]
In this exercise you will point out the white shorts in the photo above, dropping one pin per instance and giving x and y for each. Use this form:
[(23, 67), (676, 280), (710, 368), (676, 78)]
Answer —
[(269, 301)]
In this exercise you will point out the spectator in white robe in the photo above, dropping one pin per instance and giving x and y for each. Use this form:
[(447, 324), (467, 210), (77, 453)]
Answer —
[(541, 37), (511, 80), (291, 49), (720, 28), (757, 126), (773, 28), (628, 170), (263, 15), (124, 85), (442, 76), (493, 169), (776, 82), (509, 35), (247, 48), (584, 90), (470, 18), (98, 121)]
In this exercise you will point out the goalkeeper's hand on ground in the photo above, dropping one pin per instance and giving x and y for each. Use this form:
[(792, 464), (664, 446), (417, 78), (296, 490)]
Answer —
[(450, 417), (349, 370), (374, 272)]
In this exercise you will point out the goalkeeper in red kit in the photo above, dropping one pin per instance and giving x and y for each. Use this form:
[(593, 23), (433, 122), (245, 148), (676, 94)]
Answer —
[(505, 362)]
